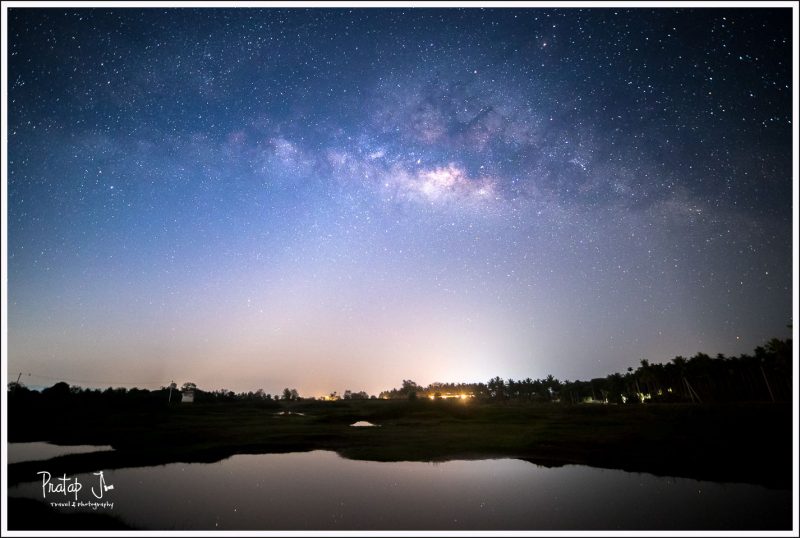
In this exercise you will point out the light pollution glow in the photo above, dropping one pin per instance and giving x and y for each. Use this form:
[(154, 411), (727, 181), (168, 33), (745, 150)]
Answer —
[(343, 199)]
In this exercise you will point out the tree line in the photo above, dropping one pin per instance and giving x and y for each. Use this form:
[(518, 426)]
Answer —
[(764, 375)]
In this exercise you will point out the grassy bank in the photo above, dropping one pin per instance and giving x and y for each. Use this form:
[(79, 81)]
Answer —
[(730, 443)]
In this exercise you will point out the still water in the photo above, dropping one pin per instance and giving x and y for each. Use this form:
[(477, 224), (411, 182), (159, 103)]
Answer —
[(19, 452), (320, 490)]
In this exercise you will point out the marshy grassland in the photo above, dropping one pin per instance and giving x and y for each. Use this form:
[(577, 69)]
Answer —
[(748, 443)]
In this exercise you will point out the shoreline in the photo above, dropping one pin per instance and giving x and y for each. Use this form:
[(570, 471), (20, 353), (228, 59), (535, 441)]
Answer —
[(737, 444)]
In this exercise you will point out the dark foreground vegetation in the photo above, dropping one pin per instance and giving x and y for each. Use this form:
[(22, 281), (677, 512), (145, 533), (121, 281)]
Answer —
[(707, 430), (726, 442)]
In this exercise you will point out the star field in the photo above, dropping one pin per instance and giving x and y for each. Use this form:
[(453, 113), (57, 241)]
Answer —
[(344, 198)]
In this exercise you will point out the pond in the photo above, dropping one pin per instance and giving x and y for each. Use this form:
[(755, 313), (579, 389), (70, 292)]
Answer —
[(19, 452), (320, 490)]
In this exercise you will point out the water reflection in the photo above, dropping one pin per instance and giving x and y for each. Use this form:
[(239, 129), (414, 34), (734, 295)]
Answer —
[(19, 452), (320, 490)]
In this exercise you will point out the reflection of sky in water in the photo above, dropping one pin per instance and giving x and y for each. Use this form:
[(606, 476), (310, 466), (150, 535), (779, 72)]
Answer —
[(19, 452), (320, 490)]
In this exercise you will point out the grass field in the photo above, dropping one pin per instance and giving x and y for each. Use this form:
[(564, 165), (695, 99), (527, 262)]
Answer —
[(729, 443)]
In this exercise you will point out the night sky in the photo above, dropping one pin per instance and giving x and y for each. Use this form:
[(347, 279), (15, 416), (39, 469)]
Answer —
[(335, 199)]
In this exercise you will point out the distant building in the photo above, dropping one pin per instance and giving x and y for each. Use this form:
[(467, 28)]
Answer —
[(187, 396)]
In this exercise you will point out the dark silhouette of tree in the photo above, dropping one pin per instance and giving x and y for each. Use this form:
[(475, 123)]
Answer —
[(15, 388), (59, 391), (350, 395), (290, 394), (497, 388), (409, 389)]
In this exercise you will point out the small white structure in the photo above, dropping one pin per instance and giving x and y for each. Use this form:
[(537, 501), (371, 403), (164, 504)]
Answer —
[(187, 396)]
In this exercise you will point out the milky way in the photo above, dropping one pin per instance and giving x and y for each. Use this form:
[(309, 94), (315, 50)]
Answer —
[(345, 198)]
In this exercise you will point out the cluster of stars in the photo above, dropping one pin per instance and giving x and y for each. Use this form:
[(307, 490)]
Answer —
[(371, 181)]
